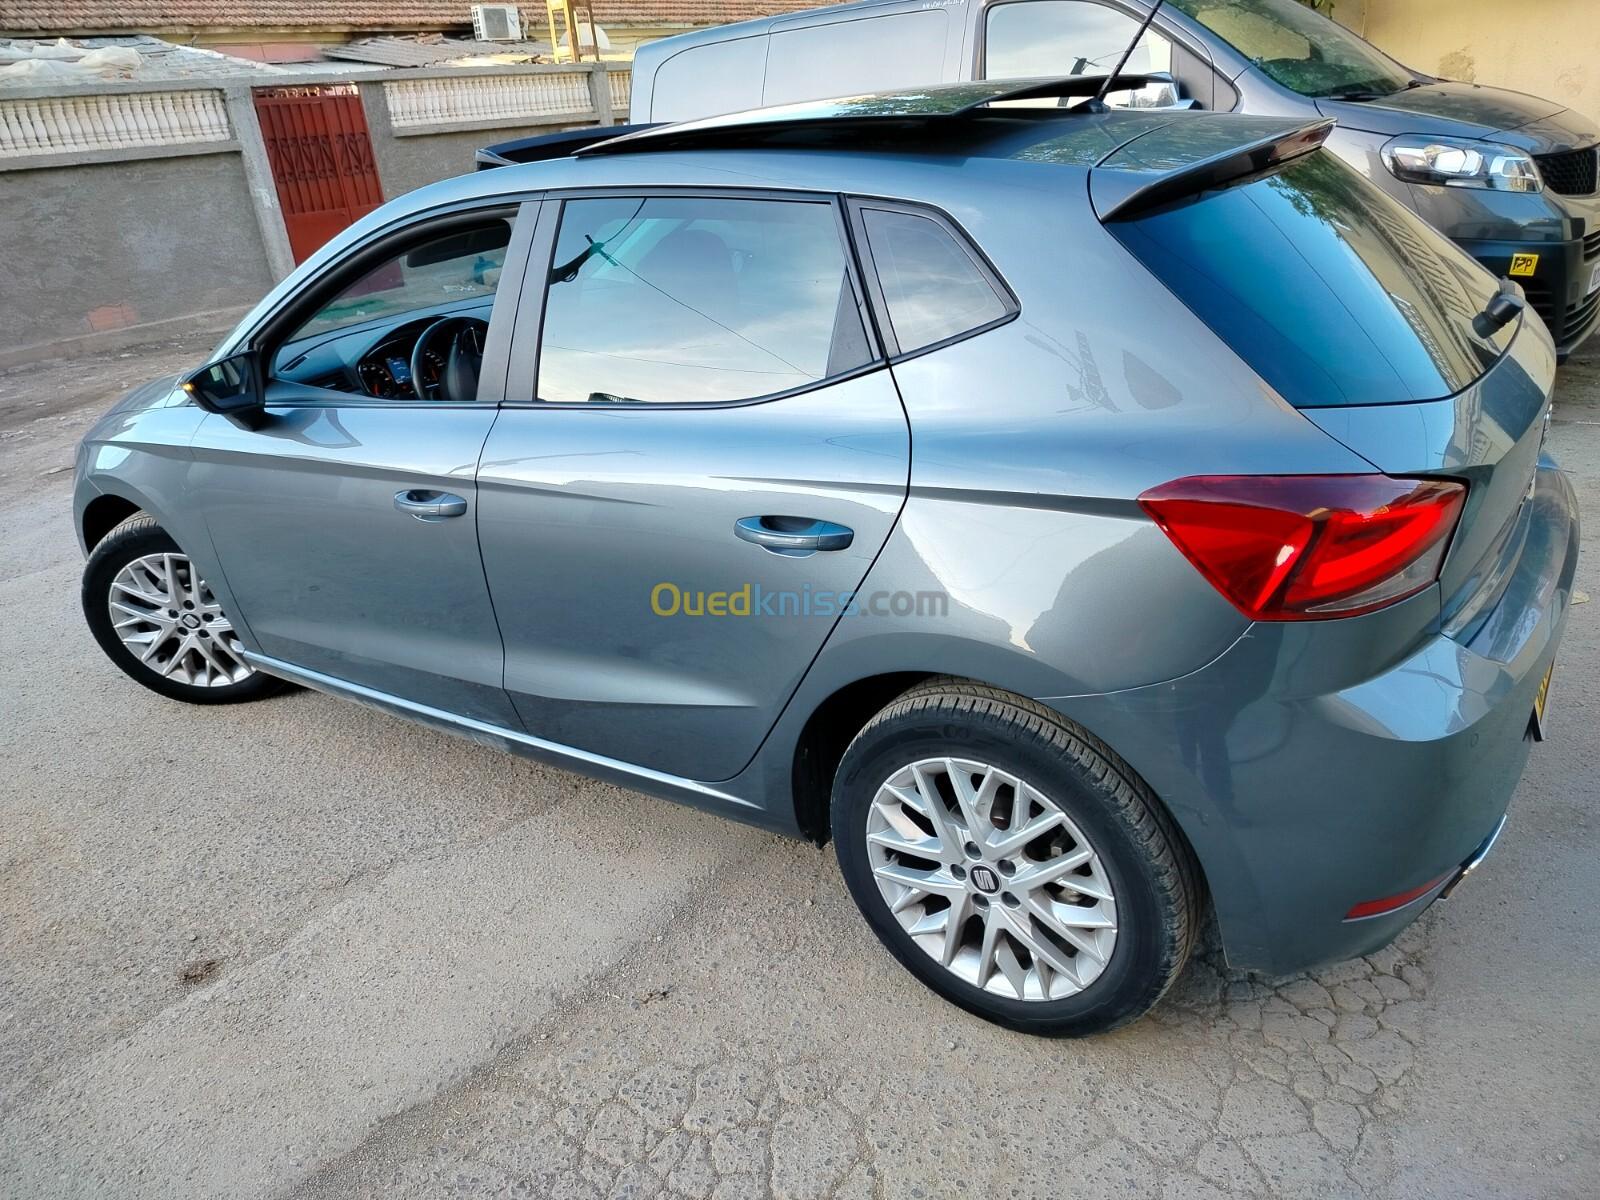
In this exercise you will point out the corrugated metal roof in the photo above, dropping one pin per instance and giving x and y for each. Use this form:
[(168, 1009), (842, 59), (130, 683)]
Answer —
[(410, 52)]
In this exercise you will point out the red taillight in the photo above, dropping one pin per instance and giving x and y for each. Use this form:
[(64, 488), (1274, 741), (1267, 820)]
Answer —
[(1306, 547)]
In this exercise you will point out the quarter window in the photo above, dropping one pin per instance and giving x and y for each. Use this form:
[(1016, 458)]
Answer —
[(696, 300), (932, 287)]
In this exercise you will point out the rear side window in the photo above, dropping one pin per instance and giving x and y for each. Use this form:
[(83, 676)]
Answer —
[(668, 300), (933, 288), (1331, 291)]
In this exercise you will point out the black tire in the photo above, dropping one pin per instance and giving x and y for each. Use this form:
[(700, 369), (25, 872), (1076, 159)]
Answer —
[(1156, 880), (131, 540)]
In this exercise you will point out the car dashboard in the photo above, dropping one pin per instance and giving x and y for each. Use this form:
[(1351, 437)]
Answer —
[(372, 359)]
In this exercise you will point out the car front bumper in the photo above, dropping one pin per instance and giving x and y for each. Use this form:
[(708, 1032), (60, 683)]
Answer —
[(1306, 793)]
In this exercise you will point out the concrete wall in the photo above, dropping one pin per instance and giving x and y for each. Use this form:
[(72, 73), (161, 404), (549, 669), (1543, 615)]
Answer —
[(127, 216), (409, 161), (150, 243), (1549, 48)]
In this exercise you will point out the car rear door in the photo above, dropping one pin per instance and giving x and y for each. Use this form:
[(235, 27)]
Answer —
[(700, 455), (345, 523)]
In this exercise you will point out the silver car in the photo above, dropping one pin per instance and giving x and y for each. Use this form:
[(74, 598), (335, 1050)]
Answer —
[(1088, 520)]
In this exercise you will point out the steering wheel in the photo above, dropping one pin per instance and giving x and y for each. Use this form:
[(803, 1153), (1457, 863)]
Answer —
[(462, 360)]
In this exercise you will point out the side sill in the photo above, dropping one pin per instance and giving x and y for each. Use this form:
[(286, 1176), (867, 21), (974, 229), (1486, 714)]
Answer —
[(596, 766)]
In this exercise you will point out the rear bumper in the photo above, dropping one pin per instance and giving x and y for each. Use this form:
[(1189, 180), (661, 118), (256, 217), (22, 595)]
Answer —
[(1306, 793), (1558, 290)]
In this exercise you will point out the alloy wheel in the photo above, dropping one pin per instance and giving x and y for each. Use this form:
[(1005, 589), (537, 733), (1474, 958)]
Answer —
[(166, 616), (991, 879)]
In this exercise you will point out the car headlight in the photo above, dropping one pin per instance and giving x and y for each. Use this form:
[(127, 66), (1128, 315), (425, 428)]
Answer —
[(1460, 162)]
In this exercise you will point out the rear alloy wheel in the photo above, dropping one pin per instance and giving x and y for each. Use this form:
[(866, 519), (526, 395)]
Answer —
[(991, 879), (157, 619), (1013, 862)]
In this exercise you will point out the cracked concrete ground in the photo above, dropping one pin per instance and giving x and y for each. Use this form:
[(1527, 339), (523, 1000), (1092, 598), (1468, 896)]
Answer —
[(303, 949)]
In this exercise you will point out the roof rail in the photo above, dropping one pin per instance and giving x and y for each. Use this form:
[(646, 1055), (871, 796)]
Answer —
[(920, 105)]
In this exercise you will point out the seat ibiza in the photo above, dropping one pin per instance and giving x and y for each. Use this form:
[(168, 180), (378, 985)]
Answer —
[(1089, 521)]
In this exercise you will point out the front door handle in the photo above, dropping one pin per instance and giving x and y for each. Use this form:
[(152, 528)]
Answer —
[(427, 505), (793, 536)]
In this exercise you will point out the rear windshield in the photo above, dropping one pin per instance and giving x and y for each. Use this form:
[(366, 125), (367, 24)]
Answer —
[(1330, 290)]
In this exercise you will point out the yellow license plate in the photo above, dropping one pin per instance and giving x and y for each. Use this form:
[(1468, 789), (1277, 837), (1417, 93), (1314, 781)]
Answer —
[(1539, 702)]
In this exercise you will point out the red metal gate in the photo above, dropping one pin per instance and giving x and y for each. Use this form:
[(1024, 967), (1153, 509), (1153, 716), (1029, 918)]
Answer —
[(321, 160)]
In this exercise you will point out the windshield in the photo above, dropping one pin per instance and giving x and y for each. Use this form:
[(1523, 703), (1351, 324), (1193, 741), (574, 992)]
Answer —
[(1301, 49)]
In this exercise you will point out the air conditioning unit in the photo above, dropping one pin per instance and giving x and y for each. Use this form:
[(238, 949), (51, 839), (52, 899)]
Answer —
[(496, 23)]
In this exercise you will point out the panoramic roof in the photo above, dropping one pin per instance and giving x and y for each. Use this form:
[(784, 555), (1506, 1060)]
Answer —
[(934, 102)]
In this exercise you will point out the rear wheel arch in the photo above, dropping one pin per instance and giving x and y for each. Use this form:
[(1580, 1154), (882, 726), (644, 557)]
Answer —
[(829, 730), (1145, 872), (843, 714)]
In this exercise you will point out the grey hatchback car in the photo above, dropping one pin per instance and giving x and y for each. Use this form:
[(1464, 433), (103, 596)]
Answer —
[(1088, 520)]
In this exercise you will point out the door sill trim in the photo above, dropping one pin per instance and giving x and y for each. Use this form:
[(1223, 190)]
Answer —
[(583, 762)]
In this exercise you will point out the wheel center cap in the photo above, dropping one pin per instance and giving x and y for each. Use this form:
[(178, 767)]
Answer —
[(985, 880), (190, 621)]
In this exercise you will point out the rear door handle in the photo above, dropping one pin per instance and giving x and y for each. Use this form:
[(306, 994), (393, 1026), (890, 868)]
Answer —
[(793, 536), (427, 505)]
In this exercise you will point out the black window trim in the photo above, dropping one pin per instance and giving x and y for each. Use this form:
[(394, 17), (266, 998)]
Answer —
[(857, 205), (523, 374), (373, 250)]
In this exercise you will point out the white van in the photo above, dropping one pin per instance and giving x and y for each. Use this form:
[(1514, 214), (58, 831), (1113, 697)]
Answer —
[(879, 45)]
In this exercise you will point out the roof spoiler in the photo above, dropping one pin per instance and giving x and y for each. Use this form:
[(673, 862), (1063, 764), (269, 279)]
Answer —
[(1127, 183)]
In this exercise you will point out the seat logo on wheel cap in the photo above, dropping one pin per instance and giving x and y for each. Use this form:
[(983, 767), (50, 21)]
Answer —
[(985, 880)]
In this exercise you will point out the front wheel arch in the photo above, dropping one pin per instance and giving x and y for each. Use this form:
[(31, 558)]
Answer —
[(103, 514)]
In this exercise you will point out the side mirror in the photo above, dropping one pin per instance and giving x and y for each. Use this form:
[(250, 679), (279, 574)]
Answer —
[(1163, 91), (232, 387)]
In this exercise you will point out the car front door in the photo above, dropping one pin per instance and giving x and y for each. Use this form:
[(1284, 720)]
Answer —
[(345, 523), (700, 456)]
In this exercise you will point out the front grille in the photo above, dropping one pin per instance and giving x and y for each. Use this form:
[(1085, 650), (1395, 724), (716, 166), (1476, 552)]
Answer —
[(1580, 317), (1591, 246), (1573, 173), (1568, 323), (1539, 297)]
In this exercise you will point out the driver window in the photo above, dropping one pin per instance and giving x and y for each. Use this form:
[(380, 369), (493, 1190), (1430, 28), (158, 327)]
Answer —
[(364, 339), (1033, 39)]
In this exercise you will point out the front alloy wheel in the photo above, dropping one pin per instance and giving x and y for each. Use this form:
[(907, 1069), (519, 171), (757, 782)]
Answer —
[(165, 614), (154, 616)]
